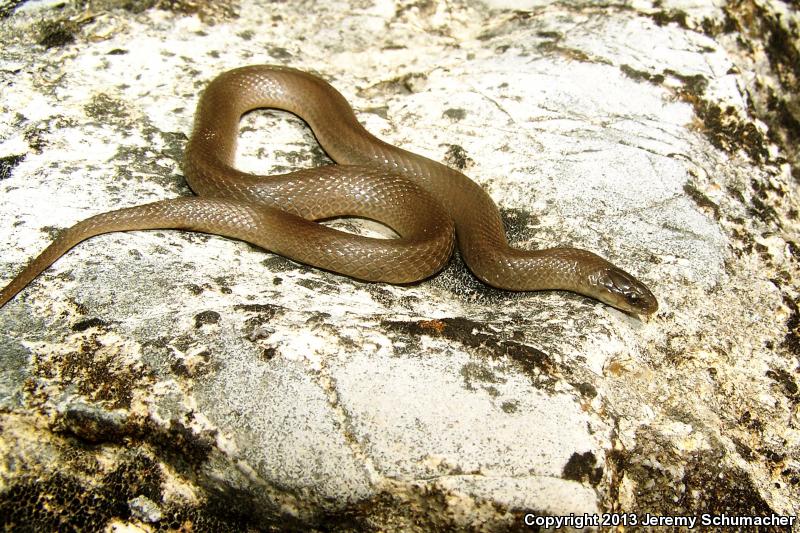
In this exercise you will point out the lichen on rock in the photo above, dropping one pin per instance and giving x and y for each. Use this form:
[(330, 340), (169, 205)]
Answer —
[(173, 380)]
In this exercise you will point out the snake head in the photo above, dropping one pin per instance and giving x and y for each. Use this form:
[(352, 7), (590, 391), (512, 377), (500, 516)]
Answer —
[(623, 291)]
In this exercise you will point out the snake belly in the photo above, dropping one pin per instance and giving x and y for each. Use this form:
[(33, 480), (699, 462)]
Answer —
[(423, 201)]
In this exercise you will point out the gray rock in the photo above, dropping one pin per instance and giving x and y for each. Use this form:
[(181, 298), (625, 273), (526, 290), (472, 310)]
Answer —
[(174, 379)]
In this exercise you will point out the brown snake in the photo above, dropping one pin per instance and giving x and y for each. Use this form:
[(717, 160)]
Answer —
[(422, 200)]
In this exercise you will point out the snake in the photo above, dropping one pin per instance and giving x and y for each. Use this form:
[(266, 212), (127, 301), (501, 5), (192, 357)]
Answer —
[(430, 206)]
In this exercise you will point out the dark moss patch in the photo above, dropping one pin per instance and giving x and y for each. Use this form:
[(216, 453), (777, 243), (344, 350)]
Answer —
[(106, 108), (223, 282), (62, 502), (172, 147), (787, 383), (587, 390), (257, 324), (67, 488), (195, 289), (8, 163), (180, 446), (474, 373), (764, 30), (554, 35), (707, 483), (510, 407), (90, 424), (573, 54), (583, 467), (321, 284), (56, 33), (201, 365), (728, 132), (519, 223), (89, 323), (267, 311), (792, 476), (280, 53), (52, 232), (455, 113), (278, 263), (673, 16), (751, 423), (782, 47), (791, 341), (655, 79), (693, 85), (712, 489), (471, 334), (36, 139), (714, 28), (773, 457), (55, 503), (92, 370), (701, 200), (141, 476), (724, 128), (762, 200), (456, 157), (175, 444), (268, 353), (206, 317), (783, 115), (745, 451)]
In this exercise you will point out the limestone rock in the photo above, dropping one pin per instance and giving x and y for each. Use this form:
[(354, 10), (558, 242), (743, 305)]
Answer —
[(166, 379)]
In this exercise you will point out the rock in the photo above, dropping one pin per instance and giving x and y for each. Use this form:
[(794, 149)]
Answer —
[(168, 379)]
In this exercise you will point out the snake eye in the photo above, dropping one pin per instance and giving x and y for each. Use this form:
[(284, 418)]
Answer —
[(628, 293)]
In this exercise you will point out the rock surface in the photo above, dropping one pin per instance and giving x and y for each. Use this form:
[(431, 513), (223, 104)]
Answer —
[(164, 379)]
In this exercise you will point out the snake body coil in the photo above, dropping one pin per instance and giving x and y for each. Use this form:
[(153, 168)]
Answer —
[(422, 200)]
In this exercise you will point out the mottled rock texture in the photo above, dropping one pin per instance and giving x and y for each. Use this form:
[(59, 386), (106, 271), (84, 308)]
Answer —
[(164, 379)]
